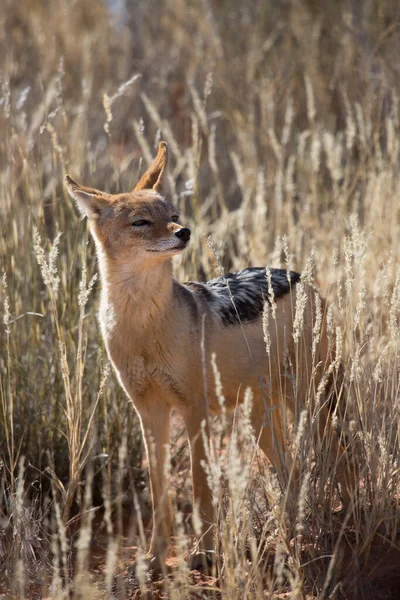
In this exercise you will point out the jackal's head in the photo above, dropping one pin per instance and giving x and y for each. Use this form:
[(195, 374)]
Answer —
[(139, 225)]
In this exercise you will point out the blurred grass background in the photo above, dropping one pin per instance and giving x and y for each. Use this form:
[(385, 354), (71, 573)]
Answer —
[(283, 128)]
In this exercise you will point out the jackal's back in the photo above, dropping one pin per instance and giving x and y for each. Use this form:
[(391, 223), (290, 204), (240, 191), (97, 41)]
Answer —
[(240, 297)]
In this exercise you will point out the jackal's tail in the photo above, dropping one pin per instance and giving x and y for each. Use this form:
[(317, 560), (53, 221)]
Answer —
[(347, 473), (336, 393)]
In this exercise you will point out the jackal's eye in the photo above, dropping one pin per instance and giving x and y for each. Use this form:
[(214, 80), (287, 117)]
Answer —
[(141, 223), (175, 218)]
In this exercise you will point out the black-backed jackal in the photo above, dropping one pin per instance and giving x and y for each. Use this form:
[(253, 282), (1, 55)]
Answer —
[(160, 335)]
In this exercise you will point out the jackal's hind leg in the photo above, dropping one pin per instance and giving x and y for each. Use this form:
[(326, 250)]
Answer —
[(198, 435), (267, 422), (341, 463)]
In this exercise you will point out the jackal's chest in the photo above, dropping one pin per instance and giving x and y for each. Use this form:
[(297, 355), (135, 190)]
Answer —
[(143, 364), (142, 373)]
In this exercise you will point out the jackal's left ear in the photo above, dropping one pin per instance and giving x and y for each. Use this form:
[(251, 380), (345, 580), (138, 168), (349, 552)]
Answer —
[(151, 179), (89, 201)]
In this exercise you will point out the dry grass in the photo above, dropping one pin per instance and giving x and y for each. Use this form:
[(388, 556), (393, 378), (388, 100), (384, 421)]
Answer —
[(283, 128)]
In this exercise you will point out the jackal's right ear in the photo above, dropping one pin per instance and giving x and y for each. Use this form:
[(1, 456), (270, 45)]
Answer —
[(151, 179), (89, 201)]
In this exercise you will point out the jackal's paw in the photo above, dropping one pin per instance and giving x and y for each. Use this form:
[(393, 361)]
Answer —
[(150, 567), (204, 562)]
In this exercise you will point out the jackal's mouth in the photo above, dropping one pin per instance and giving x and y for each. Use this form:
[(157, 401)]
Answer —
[(170, 250)]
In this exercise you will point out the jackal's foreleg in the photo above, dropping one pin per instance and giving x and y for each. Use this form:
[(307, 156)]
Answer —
[(154, 416)]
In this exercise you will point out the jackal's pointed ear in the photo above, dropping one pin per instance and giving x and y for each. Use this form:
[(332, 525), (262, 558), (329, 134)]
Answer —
[(151, 179), (89, 201)]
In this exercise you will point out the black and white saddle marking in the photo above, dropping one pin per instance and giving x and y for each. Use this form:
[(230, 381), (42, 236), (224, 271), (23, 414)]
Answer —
[(240, 297)]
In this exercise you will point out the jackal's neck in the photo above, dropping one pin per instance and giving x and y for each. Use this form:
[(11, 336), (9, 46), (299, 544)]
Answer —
[(135, 294)]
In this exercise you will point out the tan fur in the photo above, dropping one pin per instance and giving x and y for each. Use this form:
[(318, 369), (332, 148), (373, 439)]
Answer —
[(152, 329)]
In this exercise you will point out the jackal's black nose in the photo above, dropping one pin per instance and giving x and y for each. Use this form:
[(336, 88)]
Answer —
[(183, 234)]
